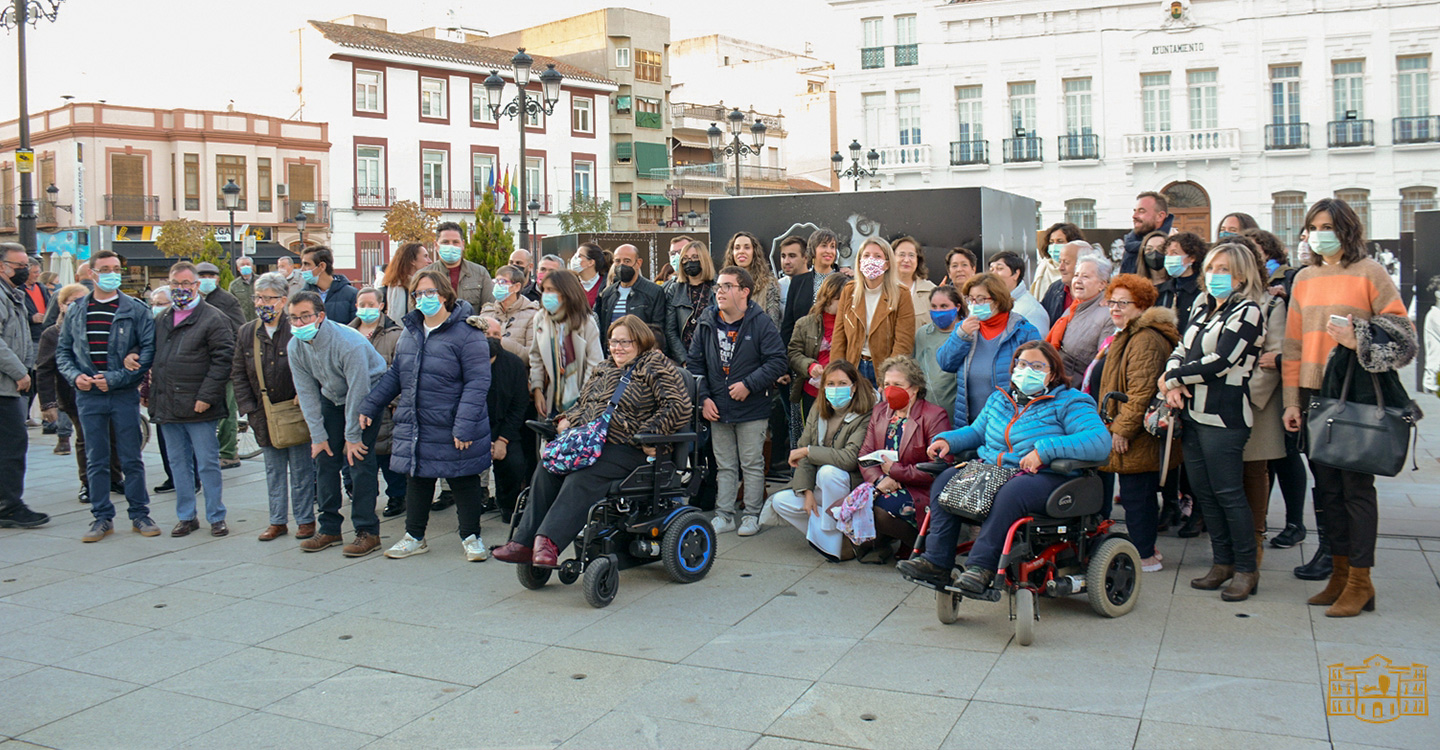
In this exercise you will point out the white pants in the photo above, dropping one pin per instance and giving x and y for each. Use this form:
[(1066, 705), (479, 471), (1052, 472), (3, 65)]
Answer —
[(831, 486)]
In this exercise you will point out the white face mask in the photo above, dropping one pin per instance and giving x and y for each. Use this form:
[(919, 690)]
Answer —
[(575, 263)]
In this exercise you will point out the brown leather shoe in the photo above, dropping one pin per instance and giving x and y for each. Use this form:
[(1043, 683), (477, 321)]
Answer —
[(513, 552), (364, 544), (183, 528), (304, 531), (320, 541), (1242, 586), (545, 556), (1216, 578), (219, 529), (274, 530)]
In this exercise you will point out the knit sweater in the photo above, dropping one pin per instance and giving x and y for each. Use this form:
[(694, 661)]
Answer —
[(1362, 289)]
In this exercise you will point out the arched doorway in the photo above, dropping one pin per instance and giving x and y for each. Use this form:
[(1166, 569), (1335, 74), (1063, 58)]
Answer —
[(1190, 205)]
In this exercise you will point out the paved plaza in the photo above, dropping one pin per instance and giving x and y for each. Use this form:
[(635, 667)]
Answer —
[(232, 643)]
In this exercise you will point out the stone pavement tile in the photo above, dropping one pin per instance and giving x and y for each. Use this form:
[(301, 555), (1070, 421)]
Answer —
[(15, 616), (548, 616), (1403, 612), (780, 544), (121, 548), (1275, 585), (163, 570), (1395, 542), (732, 590), (285, 552), (21, 545), (1159, 735), (26, 576), (445, 557), (541, 702), (631, 730), (159, 607), (1054, 673), (79, 592), (328, 592), (366, 700), (720, 698), (1257, 616), (1430, 545), (982, 626), (640, 635), (264, 730), (834, 601), (868, 718), (18, 745), (1411, 732), (14, 667), (249, 621), (417, 605), (146, 718), (909, 668), (785, 743), (63, 637), (36, 698), (1239, 654), (797, 650), (1248, 705), (150, 657), (246, 580), (1409, 565), (991, 725), (253, 677)]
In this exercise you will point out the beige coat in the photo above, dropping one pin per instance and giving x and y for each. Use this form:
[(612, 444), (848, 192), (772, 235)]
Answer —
[(544, 351), (892, 332), (1267, 431), (517, 327)]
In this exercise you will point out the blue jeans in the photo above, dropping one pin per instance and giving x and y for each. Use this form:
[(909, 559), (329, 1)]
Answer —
[(396, 484), (294, 461), (1024, 495), (866, 368), (192, 444), (366, 473), (99, 412), (63, 427)]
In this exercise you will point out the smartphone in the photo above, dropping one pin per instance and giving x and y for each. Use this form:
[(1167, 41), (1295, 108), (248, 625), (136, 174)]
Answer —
[(1339, 320)]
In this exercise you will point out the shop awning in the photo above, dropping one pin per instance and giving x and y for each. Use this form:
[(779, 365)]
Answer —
[(654, 200), (146, 254)]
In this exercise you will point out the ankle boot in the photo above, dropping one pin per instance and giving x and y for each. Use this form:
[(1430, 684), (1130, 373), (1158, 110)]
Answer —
[(1216, 578), (1336, 586), (1241, 587), (1320, 566), (1359, 594)]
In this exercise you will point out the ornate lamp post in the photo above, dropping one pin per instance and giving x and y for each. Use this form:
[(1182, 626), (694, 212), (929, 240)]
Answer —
[(300, 220), (230, 195), (521, 107), (735, 147), (856, 171), (17, 16)]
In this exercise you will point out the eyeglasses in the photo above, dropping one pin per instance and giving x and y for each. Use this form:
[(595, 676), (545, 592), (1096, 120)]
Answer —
[(269, 299), (1119, 303), (417, 295), (1036, 366), (979, 300), (727, 288), (17, 266), (625, 343), (185, 284), (305, 319)]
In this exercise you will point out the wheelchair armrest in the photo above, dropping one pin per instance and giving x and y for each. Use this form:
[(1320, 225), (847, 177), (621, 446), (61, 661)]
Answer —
[(933, 468), (542, 428), (650, 438), (1072, 465), (969, 454)]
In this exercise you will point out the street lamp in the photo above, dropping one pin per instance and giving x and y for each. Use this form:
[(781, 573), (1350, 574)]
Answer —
[(523, 106), (230, 194), (18, 15), (856, 170), (736, 147), (52, 196), (692, 219), (534, 206), (300, 220), (674, 194)]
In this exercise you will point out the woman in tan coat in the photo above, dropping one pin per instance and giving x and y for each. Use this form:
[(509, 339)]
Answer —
[(877, 317), (1131, 363)]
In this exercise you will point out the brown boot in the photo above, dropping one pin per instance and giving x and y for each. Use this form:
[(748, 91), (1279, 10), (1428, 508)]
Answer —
[(304, 531), (1359, 594), (1216, 578), (364, 544), (272, 531), (320, 541), (1259, 549), (1338, 576), (1241, 587)]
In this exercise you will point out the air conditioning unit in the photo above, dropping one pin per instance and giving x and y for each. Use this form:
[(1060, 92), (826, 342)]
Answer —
[(281, 191)]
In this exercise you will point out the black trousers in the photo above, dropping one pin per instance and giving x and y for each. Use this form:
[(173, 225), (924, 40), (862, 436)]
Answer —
[(1351, 512), (1214, 459), (1290, 473), (14, 442), (560, 503), (510, 475), (420, 492), (780, 431)]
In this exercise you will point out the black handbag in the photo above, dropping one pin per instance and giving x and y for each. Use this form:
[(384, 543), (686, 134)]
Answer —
[(1364, 438), (971, 491)]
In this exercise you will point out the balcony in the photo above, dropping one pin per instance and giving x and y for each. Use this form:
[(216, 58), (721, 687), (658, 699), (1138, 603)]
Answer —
[(1287, 136), (872, 57), (464, 201), (374, 198), (317, 213), (1077, 147), (1351, 133), (1417, 129), (132, 208), (899, 157), (1028, 148), (1183, 144), (964, 153), (220, 204), (718, 178), (907, 54)]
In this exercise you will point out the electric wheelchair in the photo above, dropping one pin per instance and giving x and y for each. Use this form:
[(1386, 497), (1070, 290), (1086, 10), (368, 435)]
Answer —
[(1068, 550), (643, 518)]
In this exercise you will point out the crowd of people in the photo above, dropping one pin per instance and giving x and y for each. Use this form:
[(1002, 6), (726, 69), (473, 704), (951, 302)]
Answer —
[(819, 381)]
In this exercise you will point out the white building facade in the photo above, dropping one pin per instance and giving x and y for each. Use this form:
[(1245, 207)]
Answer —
[(1257, 106)]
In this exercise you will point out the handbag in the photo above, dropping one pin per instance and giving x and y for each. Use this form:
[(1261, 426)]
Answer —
[(1363, 438), (578, 447), (970, 493), (1159, 417), (284, 422)]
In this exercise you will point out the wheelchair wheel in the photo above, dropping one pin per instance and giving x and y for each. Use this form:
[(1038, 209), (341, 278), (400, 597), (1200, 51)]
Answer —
[(688, 548), (1113, 577), (602, 581), (947, 606), (246, 446), (569, 571), (1024, 616), (532, 577)]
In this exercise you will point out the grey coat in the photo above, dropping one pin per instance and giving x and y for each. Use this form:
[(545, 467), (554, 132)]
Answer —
[(1090, 324), (17, 349)]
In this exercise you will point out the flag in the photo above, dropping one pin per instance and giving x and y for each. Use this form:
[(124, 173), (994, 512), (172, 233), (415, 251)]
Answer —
[(490, 186), (506, 189)]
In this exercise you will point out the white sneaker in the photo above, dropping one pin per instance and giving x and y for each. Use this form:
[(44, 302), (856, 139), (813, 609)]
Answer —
[(407, 546), (1152, 564), (475, 549), (721, 524), (749, 526)]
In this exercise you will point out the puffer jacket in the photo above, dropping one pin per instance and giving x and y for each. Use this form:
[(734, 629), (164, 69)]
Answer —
[(517, 327), (442, 380), (840, 448), (1133, 366), (1059, 423), (131, 332), (195, 359), (274, 363), (656, 401), (758, 361), (954, 356), (384, 338)]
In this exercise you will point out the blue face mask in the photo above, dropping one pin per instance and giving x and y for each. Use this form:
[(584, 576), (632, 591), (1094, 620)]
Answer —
[(1271, 266), (1324, 242), (501, 291), (246, 271), (108, 282), (368, 314), (1028, 381), (1054, 251), (307, 276), (450, 253), (208, 285), (983, 311), (943, 319), (1175, 264), (307, 331), (839, 396), (1223, 235), (551, 302), (158, 310), (1220, 285), (428, 305)]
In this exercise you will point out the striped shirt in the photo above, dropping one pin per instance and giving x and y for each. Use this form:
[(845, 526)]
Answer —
[(99, 316), (621, 302), (1214, 360), (1363, 289)]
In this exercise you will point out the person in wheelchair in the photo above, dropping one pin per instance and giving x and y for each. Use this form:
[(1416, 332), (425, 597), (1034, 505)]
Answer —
[(656, 401), (1038, 420)]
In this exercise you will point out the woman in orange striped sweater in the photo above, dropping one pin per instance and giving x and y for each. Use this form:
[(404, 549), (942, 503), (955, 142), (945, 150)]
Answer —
[(1341, 281)]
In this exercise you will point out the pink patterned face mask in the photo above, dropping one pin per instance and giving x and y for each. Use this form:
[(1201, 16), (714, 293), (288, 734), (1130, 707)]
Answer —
[(873, 268)]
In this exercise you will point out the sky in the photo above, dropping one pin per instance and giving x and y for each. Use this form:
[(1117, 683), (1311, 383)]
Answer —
[(204, 54)]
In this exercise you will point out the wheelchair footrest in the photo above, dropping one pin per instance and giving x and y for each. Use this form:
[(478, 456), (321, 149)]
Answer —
[(990, 595)]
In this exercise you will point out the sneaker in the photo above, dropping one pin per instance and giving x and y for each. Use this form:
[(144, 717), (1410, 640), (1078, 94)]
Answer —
[(721, 524), (83, 496), (1293, 534), (98, 530), (407, 546), (145, 527), (475, 550), (749, 526), (22, 518), (1152, 564), (364, 544), (31, 423), (975, 579), (167, 486)]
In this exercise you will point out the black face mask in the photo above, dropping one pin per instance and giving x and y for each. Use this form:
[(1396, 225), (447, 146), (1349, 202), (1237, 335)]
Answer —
[(625, 274), (692, 267), (20, 277), (1154, 260)]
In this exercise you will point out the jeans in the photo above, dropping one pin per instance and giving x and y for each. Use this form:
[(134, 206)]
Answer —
[(420, 491), (102, 414), (1351, 513), (1137, 496), (739, 450), (329, 496), (866, 368), (82, 466), (559, 504), (832, 485), (1024, 495), (14, 442), (1214, 461), (228, 430), (191, 444), (396, 485), (64, 427), (295, 462)]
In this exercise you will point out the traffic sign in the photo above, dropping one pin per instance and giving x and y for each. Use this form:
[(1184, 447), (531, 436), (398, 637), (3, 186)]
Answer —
[(25, 161)]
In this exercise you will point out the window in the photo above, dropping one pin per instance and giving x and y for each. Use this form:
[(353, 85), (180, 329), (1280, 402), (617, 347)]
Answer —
[(624, 152), (535, 118), (580, 120), (480, 105), (432, 173), (647, 66), (1349, 90), (624, 104), (624, 202), (369, 92), (1080, 212), (907, 113), (584, 179), (535, 179), (369, 170), (370, 259), (907, 49), (872, 107), (230, 168), (1204, 99), (647, 113), (622, 57), (1359, 200), (1414, 199), (872, 46), (192, 182), (432, 98), (1287, 215), (1022, 108), (814, 87), (1413, 86), (262, 184), (482, 171), (969, 112), (1155, 102), (1077, 107), (128, 200), (1285, 94)]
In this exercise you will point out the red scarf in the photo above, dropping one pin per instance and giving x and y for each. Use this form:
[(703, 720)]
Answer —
[(995, 326), (1057, 331)]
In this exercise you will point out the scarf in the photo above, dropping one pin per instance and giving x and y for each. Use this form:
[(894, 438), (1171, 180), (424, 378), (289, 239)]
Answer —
[(995, 326), (1057, 331)]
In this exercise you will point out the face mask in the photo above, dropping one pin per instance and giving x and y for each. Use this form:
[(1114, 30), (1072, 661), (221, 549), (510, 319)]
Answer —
[(368, 314), (1054, 250), (1271, 266), (1302, 251), (943, 319), (1155, 260), (158, 310), (306, 332), (181, 298), (1223, 235), (575, 263), (108, 281), (246, 271), (898, 398), (428, 305), (873, 268), (267, 313), (502, 290), (20, 277), (1219, 284), (550, 301), (307, 276), (675, 261), (208, 285), (839, 396), (982, 311), (1324, 242), (450, 254), (693, 269), (1028, 381), (625, 274), (1175, 264)]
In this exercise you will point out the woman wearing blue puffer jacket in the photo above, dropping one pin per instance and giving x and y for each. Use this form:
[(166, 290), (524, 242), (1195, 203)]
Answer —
[(981, 348), (441, 372), (1038, 420)]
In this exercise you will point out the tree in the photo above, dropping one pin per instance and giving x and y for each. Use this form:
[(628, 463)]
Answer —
[(586, 214), (489, 243), (406, 221), (181, 238), (214, 252)]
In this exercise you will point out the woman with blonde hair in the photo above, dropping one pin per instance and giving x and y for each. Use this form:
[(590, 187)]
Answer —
[(691, 291), (744, 251), (876, 316), (396, 282)]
